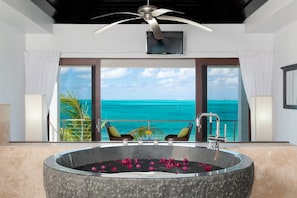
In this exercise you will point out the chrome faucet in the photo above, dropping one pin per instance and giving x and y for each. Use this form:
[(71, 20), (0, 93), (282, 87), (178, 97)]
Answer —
[(213, 141), (210, 115)]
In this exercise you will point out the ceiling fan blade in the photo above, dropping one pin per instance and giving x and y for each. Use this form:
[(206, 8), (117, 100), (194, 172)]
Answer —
[(183, 20), (155, 28), (114, 13), (160, 11), (115, 23)]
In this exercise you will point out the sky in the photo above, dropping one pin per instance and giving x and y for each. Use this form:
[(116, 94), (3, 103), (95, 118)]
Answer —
[(149, 83)]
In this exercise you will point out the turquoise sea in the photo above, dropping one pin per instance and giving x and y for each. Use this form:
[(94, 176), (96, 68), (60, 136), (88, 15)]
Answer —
[(167, 115)]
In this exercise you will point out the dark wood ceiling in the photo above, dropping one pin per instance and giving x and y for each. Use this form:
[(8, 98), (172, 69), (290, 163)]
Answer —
[(202, 11)]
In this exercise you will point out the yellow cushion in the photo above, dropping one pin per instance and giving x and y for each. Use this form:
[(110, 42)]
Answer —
[(183, 132), (114, 132)]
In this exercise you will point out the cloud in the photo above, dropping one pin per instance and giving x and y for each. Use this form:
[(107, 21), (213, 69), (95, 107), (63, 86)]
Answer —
[(166, 73), (222, 76), (64, 70), (81, 69), (113, 73), (165, 82), (84, 76), (183, 73), (214, 71), (231, 80), (148, 72), (79, 72), (169, 73), (161, 83)]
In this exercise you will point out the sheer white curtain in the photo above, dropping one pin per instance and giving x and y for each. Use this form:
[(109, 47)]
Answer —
[(256, 70), (41, 70)]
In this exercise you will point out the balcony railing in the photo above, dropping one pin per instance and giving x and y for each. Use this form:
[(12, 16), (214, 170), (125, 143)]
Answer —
[(73, 130), (166, 127)]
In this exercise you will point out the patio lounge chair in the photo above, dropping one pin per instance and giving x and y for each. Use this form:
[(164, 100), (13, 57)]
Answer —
[(183, 135), (114, 134)]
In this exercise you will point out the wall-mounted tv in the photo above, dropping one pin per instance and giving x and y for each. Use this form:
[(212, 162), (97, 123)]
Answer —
[(172, 43)]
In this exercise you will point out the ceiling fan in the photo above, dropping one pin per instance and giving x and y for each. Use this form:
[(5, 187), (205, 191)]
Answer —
[(150, 14)]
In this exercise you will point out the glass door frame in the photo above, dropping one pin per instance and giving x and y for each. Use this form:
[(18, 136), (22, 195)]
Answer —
[(96, 104)]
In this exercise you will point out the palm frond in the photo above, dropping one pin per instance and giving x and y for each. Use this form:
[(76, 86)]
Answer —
[(75, 130)]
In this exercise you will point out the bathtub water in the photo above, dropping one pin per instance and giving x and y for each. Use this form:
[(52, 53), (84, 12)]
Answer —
[(62, 179)]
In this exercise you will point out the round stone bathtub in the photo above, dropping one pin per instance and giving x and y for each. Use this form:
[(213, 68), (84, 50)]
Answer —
[(62, 179)]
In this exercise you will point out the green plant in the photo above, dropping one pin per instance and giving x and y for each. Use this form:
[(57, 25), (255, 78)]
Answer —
[(145, 132), (77, 126)]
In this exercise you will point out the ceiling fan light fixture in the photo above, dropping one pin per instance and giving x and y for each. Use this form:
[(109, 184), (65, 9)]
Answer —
[(150, 14), (146, 9)]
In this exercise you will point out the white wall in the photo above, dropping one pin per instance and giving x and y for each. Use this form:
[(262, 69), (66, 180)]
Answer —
[(129, 41), (25, 16), (12, 77), (285, 53), (17, 17), (280, 19)]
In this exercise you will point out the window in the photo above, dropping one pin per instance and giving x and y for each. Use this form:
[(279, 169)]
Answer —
[(75, 93), (136, 99), (222, 99), (204, 92), (81, 84), (101, 87)]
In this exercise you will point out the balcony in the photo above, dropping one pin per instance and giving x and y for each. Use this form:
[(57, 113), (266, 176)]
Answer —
[(80, 130)]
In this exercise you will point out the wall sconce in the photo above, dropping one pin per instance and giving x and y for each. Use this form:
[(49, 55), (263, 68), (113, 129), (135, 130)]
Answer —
[(35, 117)]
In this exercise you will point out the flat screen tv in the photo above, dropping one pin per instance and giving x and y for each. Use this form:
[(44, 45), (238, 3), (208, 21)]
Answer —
[(172, 43)]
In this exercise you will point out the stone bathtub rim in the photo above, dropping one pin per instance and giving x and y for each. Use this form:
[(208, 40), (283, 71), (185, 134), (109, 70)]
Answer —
[(244, 163)]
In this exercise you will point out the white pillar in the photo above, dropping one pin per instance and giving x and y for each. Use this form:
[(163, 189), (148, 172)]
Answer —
[(261, 118), (35, 117)]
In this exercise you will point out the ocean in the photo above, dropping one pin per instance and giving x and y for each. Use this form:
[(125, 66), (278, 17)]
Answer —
[(167, 116)]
